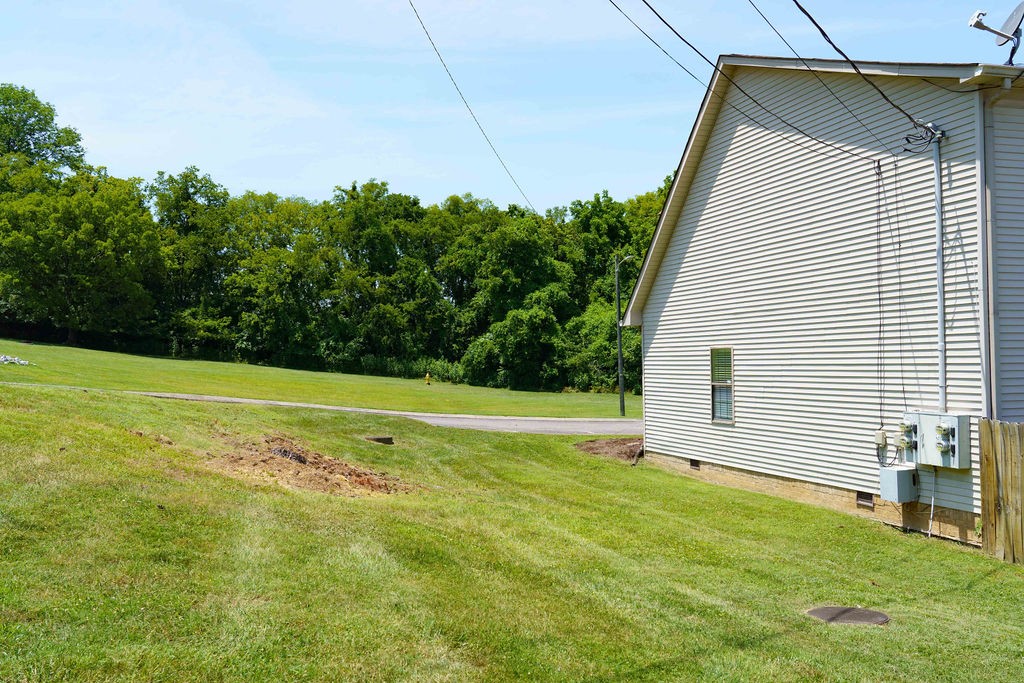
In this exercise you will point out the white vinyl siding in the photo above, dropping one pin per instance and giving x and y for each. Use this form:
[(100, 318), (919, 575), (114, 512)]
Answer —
[(1007, 182), (774, 255)]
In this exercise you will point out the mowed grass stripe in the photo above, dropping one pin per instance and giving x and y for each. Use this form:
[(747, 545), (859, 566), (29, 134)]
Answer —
[(515, 557), (75, 367)]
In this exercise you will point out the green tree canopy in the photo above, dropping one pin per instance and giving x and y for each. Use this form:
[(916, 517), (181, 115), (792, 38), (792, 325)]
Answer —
[(191, 211), (28, 128), (83, 258), (369, 281)]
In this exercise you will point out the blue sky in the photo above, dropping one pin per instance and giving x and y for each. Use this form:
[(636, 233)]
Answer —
[(299, 96)]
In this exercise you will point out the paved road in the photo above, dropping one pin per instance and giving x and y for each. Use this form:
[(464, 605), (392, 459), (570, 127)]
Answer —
[(491, 423)]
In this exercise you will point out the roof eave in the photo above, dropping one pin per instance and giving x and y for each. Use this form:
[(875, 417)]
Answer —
[(714, 96), (960, 70)]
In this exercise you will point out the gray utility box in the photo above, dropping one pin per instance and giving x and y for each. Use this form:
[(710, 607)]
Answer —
[(898, 483), (937, 439)]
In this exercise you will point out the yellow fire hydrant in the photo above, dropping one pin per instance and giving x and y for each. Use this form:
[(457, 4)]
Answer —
[(427, 378)]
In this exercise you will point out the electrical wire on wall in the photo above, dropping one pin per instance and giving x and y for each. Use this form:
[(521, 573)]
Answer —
[(968, 91), (892, 218), (882, 208), (931, 515)]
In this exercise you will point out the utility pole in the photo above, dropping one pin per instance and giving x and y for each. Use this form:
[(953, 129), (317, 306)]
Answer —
[(618, 333)]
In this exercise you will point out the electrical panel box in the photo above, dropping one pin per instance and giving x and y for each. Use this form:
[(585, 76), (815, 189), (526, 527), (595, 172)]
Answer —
[(898, 483), (937, 439)]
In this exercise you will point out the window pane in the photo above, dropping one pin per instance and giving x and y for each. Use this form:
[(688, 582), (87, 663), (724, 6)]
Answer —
[(721, 366), (721, 403)]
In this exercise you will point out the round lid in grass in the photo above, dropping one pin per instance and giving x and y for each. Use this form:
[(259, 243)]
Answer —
[(849, 615)]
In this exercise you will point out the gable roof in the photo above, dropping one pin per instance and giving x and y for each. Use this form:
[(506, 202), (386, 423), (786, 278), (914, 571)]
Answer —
[(971, 75)]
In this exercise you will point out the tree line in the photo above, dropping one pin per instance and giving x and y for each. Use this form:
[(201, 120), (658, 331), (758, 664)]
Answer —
[(370, 281)]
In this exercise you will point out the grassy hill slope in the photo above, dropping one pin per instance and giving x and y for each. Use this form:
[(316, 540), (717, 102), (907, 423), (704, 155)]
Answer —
[(148, 540), (69, 366)]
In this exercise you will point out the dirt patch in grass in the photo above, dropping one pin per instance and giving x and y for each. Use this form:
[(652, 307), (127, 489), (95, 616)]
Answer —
[(629, 449), (278, 458), (159, 438)]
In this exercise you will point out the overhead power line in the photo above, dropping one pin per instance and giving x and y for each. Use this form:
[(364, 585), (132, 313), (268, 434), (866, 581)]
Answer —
[(745, 93), (469, 108), (926, 135), (656, 43), (720, 97), (818, 76), (971, 90)]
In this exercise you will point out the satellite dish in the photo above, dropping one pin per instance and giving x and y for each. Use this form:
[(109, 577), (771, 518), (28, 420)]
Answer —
[(1011, 25), (1010, 30)]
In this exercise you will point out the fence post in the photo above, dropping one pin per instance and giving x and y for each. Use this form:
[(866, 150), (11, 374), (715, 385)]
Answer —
[(1016, 521), (1004, 481), (989, 489), (1002, 489)]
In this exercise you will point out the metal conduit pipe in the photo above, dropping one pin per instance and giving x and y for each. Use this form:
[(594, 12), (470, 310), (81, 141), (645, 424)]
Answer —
[(986, 146), (940, 268)]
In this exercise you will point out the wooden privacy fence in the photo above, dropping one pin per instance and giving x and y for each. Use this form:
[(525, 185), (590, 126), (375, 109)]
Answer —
[(1002, 489)]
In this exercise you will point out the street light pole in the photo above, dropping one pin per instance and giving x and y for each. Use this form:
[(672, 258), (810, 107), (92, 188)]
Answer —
[(618, 333)]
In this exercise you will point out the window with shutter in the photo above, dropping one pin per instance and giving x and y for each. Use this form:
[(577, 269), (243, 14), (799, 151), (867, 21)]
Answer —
[(721, 385)]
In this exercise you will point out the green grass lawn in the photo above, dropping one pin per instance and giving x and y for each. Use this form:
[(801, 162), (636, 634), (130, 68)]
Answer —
[(123, 555), (101, 370)]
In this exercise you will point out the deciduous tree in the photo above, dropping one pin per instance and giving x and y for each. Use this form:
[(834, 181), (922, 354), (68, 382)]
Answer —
[(80, 258), (28, 128)]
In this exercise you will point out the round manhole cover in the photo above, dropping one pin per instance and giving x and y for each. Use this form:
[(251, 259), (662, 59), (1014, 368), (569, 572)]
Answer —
[(849, 615)]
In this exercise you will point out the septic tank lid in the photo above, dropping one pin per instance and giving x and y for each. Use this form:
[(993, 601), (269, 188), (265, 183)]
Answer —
[(849, 615)]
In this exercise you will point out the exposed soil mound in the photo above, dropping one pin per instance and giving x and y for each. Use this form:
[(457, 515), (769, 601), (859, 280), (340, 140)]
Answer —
[(277, 458), (630, 449), (159, 438)]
